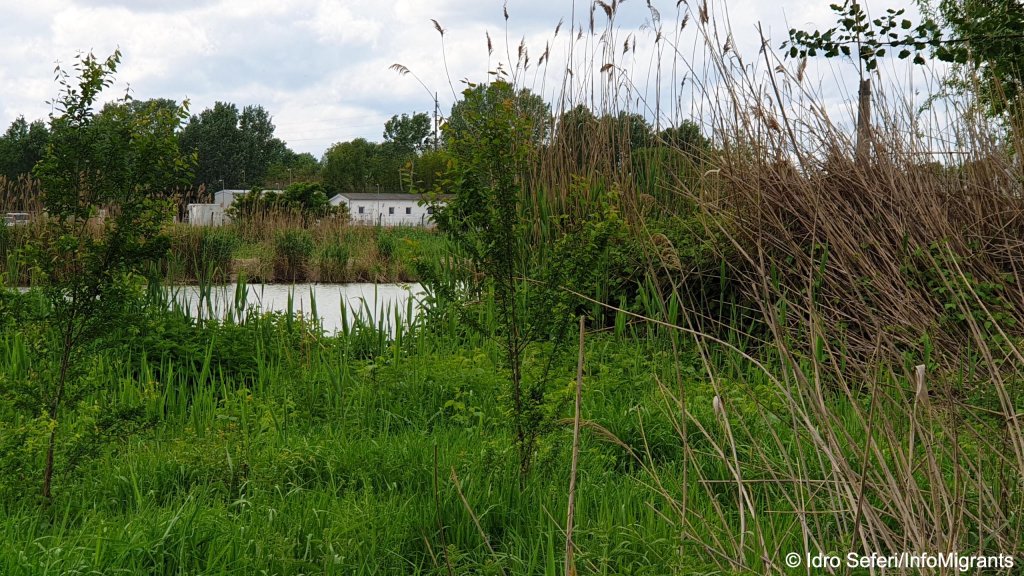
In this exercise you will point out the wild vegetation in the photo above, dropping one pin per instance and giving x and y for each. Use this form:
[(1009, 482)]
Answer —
[(688, 349)]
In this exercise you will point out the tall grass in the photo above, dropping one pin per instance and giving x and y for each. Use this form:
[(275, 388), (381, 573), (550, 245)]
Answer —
[(803, 353), (861, 337)]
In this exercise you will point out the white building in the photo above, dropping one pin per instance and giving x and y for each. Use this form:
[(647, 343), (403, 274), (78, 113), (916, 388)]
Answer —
[(388, 209), (215, 214), (206, 215), (225, 197)]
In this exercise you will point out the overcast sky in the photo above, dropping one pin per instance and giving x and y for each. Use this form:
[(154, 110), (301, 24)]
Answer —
[(321, 67)]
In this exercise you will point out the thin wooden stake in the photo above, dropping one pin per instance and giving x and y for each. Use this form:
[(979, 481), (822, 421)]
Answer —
[(570, 564)]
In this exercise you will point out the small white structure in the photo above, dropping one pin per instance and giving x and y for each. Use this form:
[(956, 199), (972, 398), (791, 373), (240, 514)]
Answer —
[(226, 197), (17, 218), (206, 215), (215, 214), (388, 209)]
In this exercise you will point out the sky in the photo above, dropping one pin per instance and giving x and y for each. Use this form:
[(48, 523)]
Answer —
[(321, 68)]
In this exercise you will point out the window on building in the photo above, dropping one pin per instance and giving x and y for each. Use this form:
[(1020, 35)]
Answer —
[(408, 210), (360, 209), (391, 210)]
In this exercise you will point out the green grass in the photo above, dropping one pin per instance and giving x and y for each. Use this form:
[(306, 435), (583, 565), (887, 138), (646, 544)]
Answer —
[(308, 460), (263, 446)]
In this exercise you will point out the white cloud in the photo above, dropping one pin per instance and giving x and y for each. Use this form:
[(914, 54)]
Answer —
[(321, 66)]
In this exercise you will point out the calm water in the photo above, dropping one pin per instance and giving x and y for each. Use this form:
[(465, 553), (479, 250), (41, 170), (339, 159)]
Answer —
[(373, 300)]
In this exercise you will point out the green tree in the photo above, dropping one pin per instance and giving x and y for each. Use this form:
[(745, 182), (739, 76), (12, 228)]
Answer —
[(687, 138), (234, 150), (21, 146), (492, 145), (293, 168), (260, 149), (481, 101), (988, 41), (425, 172), (576, 140), (363, 166), (411, 134), (627, 132), (124, 161), (347, 166), (865, 41)]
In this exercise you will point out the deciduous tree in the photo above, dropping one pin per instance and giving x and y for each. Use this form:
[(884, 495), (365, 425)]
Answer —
[(21, 146), (127, 162), (410, 134)]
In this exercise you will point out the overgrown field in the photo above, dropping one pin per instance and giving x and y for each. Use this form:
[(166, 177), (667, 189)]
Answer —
[(267, 446), (686, 350)]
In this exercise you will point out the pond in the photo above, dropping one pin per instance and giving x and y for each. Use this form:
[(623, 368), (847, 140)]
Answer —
[(376, 304)]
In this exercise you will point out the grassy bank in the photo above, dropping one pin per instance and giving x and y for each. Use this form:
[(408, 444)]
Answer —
[(281, 249), (274, 249)]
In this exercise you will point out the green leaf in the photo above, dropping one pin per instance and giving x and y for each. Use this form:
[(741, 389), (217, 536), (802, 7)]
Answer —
[(905, 24)]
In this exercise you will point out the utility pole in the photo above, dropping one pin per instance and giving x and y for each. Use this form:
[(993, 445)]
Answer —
[(864, 122)]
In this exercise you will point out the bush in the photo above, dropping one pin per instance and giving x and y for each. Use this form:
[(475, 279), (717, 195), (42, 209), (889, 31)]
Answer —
[(332, 263), (385, 246), (202, 254), (293, 253), (216, 255)]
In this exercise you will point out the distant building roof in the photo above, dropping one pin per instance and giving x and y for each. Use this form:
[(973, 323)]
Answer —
[(390, 196)]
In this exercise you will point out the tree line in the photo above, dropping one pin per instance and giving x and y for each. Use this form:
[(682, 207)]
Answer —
[(236, 148)]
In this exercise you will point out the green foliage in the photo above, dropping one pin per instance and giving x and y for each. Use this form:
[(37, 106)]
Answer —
[(292, 168), (306, 199), (293, 255), (385, 245), (989, 35), (596, 255), (872, 39), (491, 142), (125, 160), (627, 132), (21, 147), (425, 172), (496, 98), (687, 139), (410, 134), (234, 150), (363, 166), (964, 298)]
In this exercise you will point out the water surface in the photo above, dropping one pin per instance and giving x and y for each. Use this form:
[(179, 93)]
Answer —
[(370, 302)]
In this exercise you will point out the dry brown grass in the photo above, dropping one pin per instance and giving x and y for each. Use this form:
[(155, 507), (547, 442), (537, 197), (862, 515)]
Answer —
[(877, 405)]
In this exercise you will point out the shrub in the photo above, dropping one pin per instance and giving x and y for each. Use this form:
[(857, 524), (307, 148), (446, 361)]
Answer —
[(293, 253), (386, 246), (333, 263), (203, 254)]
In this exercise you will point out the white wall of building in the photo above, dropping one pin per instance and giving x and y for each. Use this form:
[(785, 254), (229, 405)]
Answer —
[(206, 215), (224, 198), (387, 212)]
